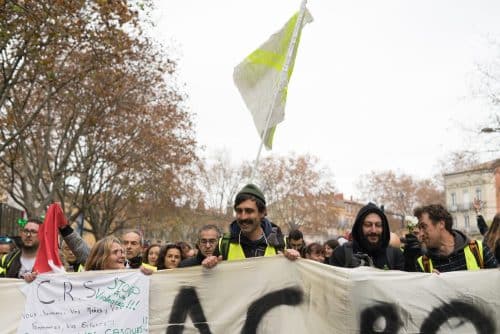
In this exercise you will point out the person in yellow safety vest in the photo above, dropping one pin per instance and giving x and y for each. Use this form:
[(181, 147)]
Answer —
[(448, 249), (19, 262), (251, 234), (6, 245)]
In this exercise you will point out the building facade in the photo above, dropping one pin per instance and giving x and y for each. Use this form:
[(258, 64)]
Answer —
[(461, 188)]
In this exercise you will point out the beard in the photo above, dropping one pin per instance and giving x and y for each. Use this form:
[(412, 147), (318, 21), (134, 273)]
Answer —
[(371, 247), (30, 248)]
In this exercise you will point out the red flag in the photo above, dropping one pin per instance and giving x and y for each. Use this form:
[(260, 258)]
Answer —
[(47, 257)]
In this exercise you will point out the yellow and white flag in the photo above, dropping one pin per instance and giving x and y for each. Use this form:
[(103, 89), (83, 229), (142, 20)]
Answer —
[(262, 77)]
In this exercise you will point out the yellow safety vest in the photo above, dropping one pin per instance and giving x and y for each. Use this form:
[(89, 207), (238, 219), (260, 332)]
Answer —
[(2, 269), (235, 252), (5, 266), (470, 259)]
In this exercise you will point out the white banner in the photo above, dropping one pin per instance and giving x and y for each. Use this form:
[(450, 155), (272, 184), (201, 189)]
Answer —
[(113, 302), (274, 295)]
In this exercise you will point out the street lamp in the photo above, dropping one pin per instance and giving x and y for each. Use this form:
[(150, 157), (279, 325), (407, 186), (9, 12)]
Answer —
[(489, 130)]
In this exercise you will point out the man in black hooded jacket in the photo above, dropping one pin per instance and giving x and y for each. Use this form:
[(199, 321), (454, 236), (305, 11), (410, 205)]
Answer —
[(370, 243)]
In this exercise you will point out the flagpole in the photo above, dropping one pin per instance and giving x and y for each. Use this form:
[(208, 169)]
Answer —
[(283, 77)]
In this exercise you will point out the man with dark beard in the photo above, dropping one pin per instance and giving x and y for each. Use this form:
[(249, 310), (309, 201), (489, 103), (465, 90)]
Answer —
[(20, 261), (370, 243)]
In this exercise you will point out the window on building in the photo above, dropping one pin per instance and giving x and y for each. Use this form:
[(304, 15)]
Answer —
[(478, 194), (466, 199), (467, 223), (453, 199)]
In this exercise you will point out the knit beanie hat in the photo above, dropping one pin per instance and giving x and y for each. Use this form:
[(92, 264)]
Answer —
[(252, 189)]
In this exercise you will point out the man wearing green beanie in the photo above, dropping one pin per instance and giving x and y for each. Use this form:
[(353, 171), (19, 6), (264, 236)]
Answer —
[(252, 189), (251, 234)]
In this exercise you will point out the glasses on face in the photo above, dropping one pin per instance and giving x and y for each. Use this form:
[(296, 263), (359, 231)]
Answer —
[(29, 232), (208, 241), (248, 211)]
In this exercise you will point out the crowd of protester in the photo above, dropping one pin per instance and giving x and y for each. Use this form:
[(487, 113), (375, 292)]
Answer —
[(431, 244)]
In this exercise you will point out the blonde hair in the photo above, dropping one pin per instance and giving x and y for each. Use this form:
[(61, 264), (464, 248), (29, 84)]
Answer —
[(100, 253), (493, 235)]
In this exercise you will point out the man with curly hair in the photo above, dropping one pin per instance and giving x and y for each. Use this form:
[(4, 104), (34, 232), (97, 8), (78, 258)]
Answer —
[(448, 249)]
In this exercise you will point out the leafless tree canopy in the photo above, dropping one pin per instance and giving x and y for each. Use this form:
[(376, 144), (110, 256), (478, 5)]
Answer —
[(89, 114)]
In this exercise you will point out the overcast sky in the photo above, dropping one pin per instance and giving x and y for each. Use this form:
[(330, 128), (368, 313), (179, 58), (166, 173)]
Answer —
[(377, 85)]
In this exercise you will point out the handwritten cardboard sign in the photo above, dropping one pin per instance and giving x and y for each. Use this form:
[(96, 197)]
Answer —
[(114, 302)]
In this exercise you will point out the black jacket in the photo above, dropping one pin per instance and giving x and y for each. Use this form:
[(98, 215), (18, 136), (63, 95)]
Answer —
[(135, 262), (382, 256), (192, 261), (197, 259), (481, 225), (497, 251)]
